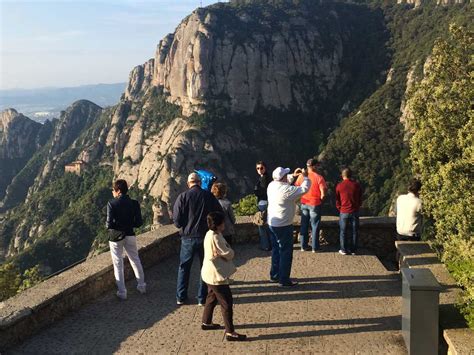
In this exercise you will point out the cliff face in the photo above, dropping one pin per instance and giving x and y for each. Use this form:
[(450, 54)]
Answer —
[(264, 68), (240, 61), (19, 139)]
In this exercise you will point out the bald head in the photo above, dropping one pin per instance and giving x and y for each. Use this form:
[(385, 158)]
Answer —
[(346, 173)]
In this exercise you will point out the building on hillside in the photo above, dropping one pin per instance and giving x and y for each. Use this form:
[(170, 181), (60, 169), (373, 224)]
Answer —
[(76, 167)]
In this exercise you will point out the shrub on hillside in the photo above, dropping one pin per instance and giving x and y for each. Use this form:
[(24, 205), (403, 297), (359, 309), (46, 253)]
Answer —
[(442, 153)]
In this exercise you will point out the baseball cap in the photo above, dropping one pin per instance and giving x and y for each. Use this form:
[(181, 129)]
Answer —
[(193, 177), (279, 172)]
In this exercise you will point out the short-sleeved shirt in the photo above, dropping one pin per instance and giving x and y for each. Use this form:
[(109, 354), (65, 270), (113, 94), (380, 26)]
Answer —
[(313, 196)]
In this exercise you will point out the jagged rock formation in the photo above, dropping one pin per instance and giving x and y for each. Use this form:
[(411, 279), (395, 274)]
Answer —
[(206, 63), (19, 139)]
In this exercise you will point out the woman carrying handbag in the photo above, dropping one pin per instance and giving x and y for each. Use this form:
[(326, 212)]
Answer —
[(217, 267)]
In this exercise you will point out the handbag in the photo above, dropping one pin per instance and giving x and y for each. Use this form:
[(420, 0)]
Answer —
[(225, 268), (116, 235), (260, 218)]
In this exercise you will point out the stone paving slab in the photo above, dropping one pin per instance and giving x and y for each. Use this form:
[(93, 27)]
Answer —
[(343, 305)]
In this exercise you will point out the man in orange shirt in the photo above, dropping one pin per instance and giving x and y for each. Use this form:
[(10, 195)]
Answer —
[(311, 206)]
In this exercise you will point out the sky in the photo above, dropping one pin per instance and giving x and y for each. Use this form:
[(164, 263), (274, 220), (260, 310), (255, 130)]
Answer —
[(61, 43)]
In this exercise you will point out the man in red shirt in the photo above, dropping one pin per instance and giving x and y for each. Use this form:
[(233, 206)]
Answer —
[(311, 206), (348, 202)]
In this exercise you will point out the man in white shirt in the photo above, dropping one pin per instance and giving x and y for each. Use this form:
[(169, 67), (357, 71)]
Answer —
[(282, 198), (409, 217)]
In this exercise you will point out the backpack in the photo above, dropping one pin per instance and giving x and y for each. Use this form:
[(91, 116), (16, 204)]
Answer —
[(207, 179)]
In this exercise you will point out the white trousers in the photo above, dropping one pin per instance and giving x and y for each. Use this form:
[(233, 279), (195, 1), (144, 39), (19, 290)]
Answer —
[(116, 251)]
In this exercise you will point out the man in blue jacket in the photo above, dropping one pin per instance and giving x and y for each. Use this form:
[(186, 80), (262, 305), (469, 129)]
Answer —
[(190, 216)]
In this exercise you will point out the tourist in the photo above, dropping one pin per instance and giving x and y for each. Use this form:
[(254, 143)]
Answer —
[(123, 214), (348, 202), (311, 206), (282, 197), (408, 209), (216, 270), (219, 190), (189, 215), (260, 190)]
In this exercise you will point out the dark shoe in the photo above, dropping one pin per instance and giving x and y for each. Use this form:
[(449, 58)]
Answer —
[(237, 337), (290, 284), (305, 248), (274, 281), (211, 326), (180, 302)]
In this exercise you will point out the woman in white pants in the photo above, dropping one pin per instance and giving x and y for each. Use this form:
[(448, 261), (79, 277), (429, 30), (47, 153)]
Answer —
[(124, 214)]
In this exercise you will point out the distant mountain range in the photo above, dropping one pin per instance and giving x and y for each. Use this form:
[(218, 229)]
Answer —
[(46, 103)]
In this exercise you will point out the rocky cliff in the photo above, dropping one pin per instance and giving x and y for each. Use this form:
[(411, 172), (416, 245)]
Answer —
[(20, 137), (240, 61)]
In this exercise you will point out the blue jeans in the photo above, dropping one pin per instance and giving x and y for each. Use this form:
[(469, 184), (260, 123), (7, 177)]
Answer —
[(348, 245), (282, 253), (190, 247), (310, 214), (264, 234)]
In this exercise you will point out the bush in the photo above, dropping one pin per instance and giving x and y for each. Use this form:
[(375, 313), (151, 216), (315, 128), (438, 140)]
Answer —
[(442, 121), (247, 206)]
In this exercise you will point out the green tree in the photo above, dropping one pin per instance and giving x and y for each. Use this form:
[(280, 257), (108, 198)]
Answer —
[(9, 280), (31, 277), (442, 152)]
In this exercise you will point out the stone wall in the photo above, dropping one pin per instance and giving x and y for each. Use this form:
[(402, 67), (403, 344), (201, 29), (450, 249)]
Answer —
[(43, 304)]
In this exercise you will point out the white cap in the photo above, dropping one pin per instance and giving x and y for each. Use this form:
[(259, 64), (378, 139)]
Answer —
[(193, 177), (262, 203), (279, 172)]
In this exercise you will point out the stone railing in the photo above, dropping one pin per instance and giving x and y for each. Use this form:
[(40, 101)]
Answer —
[(43, 304), (459, 339)]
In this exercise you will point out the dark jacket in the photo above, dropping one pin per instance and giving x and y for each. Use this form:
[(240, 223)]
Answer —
[(124, 214), (260, 189), (191, 209)]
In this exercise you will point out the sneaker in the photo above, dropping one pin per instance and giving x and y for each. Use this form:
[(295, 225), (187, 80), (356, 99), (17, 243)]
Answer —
[(179, 302), (342, 252), (305, 249), (290, 284), (274, 281), (141, 289), (121, 296), (200, 304)]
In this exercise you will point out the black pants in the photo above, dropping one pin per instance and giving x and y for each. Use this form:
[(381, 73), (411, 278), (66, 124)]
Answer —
[(414, 238), (219, 294)]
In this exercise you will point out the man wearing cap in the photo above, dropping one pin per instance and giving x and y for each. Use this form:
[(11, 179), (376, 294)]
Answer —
[(311, 206), (282, 199), (190, 216)]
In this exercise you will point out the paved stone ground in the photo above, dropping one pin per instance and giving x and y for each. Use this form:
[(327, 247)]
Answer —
[(343, 305)]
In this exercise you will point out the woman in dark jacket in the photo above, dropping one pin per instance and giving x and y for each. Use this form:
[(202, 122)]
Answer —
[(123, 214), (260, 190)]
